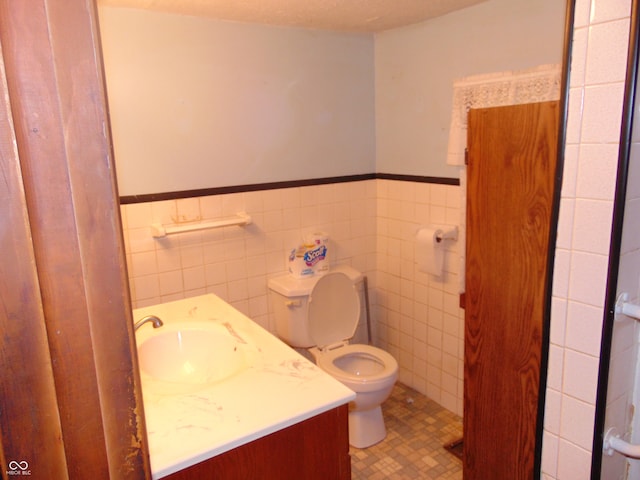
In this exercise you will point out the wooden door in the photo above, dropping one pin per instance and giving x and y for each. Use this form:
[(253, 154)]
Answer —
[(512, 164)]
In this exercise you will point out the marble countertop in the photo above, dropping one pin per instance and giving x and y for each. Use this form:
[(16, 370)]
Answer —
[(187, 424)]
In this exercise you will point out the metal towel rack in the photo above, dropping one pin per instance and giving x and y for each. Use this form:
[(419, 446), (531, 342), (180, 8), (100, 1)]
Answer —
[(158, 230)]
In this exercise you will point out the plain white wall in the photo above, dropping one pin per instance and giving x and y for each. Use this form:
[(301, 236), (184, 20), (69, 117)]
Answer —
[(417, 65), (199, 103)]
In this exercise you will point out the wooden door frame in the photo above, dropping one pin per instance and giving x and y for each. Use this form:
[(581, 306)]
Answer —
[(67, 322)]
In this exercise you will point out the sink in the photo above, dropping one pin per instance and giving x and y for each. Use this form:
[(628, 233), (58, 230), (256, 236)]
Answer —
[(192, 354)]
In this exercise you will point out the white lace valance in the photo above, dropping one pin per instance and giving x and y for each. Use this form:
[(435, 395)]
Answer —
[(539, 84)]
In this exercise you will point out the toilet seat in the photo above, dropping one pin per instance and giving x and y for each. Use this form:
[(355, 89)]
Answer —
[(373, 366), (334, 309)]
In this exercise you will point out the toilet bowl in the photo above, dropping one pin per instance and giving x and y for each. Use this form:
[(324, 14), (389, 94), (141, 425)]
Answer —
[(371, 373), (321, 314)]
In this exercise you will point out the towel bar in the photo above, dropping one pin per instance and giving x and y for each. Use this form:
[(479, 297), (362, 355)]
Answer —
[(159, 231), (626, 308), (614, 442)]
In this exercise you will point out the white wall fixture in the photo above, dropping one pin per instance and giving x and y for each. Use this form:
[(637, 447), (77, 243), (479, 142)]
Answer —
[(430, 248), (627, 308), (158, 230), (613, 442)]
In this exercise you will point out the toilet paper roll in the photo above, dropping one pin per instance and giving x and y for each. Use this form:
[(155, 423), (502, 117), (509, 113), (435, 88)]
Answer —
[(429, 253)]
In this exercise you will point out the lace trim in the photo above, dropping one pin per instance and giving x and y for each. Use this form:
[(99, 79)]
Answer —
[(538, 84)]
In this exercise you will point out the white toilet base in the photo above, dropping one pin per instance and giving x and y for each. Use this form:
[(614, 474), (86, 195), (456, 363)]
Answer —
[(366, 428)]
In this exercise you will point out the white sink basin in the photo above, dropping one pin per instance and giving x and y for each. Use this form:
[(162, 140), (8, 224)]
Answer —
[(193, 354)]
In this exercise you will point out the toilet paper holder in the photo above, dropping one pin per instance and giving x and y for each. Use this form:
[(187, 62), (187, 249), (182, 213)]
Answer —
[(430, 250), (445, 232)]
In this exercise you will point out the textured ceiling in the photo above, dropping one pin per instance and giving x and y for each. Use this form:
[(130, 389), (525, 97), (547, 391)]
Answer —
[(341, 15)]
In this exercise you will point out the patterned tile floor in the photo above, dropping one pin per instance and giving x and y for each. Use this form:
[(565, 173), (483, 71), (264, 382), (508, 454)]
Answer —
[(417, 430)]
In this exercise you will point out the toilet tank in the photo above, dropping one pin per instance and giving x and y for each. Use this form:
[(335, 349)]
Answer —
[(289, 298)]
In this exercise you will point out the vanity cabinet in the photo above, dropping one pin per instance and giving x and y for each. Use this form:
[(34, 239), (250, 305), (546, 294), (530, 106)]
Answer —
[(314, 449)]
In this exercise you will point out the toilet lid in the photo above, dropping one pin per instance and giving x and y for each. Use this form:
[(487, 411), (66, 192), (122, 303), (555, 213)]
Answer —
[(334, 309)]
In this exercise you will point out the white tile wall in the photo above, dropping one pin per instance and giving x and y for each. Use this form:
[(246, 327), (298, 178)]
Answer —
[(418, 316), (372, 225), (235, 262), (597, 84), (623, 377)]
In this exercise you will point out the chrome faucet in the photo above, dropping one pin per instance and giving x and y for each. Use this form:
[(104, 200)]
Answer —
[(157, 323)]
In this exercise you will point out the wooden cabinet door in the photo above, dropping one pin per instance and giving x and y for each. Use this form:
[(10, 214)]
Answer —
[(512, 164)]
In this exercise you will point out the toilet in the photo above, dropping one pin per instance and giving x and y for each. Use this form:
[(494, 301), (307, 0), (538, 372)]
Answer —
[(320, 314)]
